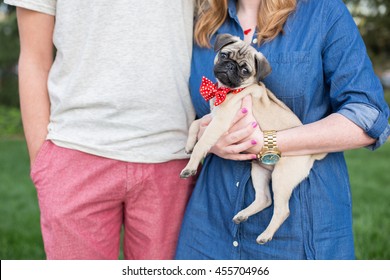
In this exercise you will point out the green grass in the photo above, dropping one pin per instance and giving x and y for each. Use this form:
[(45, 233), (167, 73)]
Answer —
[(20, 236), (370, 180), (10, 122), (387, 96)]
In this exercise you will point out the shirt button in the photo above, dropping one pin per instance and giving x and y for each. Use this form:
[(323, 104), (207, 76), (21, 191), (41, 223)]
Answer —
[(235, 243), (254, 41), (237, 184)]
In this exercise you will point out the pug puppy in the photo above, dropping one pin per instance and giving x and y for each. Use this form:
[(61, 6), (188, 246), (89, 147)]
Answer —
[(240, 68)]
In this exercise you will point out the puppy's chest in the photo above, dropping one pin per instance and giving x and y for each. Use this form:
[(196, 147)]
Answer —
[(220, 109), (228, 104), (213, 108)]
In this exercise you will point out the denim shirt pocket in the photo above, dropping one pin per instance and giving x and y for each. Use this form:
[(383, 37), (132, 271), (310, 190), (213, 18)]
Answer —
[(289, 75)]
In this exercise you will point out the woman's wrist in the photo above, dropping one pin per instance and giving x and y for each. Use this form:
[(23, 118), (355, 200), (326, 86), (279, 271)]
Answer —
[(269, 153)]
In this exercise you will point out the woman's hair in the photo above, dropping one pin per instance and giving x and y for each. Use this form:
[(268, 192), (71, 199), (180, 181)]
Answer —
[(211, 14)]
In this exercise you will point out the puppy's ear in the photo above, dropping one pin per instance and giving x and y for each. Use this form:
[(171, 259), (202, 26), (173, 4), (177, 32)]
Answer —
[(263, 68), (223, 40)]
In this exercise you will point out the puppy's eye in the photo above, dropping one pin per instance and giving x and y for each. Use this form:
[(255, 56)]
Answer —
[(244, 71), (223, 55)]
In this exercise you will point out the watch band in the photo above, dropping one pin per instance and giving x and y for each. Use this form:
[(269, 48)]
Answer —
[(270, 153), (270, 140)]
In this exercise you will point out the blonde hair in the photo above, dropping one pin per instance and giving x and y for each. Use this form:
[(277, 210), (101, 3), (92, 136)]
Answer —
[(211, 14)]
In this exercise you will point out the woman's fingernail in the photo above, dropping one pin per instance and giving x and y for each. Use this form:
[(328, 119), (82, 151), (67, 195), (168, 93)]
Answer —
[(244, 110), (254, 124), (253, 142)]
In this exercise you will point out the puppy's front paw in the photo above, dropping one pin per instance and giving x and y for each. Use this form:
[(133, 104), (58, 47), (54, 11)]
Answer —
[(190, 145), (187, 173), (263, 238), (239, 218)]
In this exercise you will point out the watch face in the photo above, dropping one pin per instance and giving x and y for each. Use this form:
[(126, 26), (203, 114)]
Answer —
[(270, 159)]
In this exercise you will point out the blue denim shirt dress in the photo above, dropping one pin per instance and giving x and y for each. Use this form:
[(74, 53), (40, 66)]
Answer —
[(319, 66)]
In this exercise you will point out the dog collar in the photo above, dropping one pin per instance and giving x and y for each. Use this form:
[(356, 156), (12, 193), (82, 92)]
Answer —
[(210, 90)]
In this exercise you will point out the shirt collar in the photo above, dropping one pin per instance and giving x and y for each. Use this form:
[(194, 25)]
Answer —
[(232, 9)]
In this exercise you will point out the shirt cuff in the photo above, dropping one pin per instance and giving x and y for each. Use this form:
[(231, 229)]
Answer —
[(370, 120)]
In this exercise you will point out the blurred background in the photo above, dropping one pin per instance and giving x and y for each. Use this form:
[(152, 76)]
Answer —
[(20, 236)]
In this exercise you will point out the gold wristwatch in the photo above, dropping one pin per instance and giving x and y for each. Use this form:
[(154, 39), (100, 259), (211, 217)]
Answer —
[(270, 153)]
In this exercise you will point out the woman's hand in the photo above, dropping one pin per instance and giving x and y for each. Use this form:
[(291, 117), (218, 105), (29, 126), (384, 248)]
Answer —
[(244, 138)]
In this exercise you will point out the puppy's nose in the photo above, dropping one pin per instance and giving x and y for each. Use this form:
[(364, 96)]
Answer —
[(230, 66)]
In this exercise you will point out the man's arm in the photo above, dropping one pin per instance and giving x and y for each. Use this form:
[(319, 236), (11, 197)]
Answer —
[(36, 58)]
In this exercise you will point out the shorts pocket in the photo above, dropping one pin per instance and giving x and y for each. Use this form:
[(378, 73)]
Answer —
[(39, 159)]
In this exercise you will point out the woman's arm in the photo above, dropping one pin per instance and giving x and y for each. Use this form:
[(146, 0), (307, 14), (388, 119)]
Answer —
[(331, 134), (36, 58)]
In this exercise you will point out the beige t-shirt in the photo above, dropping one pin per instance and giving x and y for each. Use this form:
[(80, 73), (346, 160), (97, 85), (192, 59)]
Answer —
[(119, 83)]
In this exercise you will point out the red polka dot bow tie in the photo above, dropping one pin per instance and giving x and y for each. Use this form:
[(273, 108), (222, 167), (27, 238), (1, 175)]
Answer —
[(210, 90)]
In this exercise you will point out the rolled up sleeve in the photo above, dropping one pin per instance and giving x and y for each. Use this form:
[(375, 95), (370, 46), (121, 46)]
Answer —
[(370, 120), (355, 90)]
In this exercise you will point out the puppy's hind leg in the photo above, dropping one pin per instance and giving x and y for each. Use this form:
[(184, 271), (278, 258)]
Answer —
[(285, 178), (260, 179), (282, 193)]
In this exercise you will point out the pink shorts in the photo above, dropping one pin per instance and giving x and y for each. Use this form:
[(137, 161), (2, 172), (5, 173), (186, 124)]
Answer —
[(85, 200)]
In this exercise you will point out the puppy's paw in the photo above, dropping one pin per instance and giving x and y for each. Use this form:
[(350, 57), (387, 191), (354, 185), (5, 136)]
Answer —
[(190, 145), (187, 173), (263, 238), (239, 218)]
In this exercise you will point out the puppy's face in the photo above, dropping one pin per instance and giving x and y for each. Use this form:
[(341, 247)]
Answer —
[(238, 64)]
